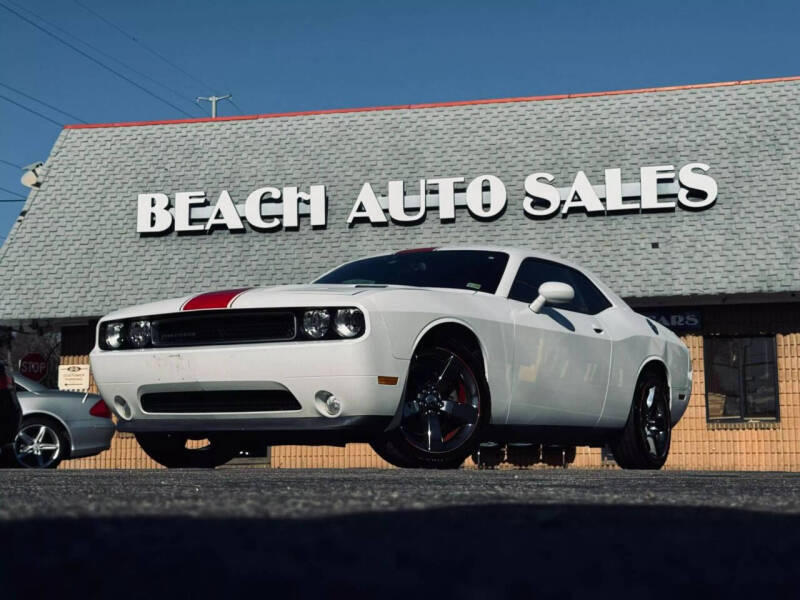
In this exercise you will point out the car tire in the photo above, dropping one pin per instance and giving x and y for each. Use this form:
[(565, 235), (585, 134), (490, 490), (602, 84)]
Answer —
[(40, 443), (645, 441), (429, 406), (169, 450)]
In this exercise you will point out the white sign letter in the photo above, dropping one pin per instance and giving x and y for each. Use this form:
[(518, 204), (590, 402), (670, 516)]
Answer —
[(497, 196), (447, 196), (315, 197), (538, 190), (650, 178), (252, 208), (397, 202), (587, 197), (152, 215), (691, 181), (224, 213), (614, 201), (183, 208), (367, 206)]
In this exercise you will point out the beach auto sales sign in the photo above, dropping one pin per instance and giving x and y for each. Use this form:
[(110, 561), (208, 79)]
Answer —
[(659, 188)]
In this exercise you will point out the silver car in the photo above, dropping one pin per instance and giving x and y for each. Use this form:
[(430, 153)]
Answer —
[(57, 426)]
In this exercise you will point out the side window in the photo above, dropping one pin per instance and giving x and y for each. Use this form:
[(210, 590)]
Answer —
[(741, 378), (533, 272)]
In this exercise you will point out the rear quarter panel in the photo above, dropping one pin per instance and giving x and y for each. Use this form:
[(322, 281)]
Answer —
[(69, 409), (635, 343)]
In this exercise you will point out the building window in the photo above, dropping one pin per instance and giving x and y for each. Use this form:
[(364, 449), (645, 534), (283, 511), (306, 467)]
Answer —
[(741, 378)]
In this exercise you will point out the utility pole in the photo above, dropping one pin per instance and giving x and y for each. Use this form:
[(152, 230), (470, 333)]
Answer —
[(213, 100)]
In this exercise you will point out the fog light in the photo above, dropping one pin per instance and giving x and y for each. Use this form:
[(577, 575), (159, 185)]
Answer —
[(328, 404), (333, 405), (122, 407)]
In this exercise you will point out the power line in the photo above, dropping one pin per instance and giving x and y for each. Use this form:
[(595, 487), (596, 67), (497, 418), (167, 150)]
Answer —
[(11, 192), (94, 60), (50, 106), (236, 106), (12, 199), (142, 44), (10, 164), (30, 110), (170, 89)]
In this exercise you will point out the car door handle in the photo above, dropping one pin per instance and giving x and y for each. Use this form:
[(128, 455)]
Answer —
[(598, 329)]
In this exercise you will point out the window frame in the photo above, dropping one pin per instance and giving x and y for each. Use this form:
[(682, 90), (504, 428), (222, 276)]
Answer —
[(742, 418), (563, 266)]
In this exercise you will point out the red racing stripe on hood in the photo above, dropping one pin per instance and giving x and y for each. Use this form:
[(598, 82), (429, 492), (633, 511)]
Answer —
[(211, 300)]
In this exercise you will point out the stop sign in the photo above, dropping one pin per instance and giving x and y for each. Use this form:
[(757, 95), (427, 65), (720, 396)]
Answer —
[(33, 366)]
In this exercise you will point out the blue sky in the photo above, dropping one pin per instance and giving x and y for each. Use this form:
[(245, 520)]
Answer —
[(287, 56)]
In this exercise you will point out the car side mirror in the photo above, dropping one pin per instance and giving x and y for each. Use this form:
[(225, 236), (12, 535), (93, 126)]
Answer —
[(552, 292)]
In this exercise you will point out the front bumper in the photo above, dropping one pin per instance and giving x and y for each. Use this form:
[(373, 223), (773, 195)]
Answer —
[(302, 430), (349, 369)]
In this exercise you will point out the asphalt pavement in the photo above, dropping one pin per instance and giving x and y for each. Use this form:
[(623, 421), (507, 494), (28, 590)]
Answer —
[(393, 533)]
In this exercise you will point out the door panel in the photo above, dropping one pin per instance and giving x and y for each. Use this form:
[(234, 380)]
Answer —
[(561, 367)]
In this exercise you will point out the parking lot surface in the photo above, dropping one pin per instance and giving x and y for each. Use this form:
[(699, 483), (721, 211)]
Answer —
[(392, 533)]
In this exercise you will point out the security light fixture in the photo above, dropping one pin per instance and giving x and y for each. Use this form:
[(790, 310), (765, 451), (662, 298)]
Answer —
[(33, 175)]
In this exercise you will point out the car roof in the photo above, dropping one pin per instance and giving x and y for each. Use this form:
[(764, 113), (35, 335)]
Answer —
[(511, 251), (516, 255)]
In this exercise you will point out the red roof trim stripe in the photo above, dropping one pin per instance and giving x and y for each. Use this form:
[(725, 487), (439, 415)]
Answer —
[(438, 104)]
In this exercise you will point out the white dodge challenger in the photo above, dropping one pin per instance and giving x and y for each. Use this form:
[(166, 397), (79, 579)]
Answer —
[(425, 354)]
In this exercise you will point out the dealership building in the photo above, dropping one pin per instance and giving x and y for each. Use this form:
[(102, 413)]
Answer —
[(684, 200)]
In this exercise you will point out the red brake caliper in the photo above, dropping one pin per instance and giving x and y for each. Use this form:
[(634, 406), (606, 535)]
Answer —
[(462, 399)]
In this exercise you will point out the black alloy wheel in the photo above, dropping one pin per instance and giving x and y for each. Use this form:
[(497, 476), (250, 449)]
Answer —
[(645, 441), (442, 411), (170, 450)]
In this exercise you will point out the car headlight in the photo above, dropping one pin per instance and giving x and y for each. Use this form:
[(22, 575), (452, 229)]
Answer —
[(316, 323), (349, 322), (139, 333), (112, 336)]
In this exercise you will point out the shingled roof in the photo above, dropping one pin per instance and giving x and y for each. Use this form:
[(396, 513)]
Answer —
[(74, 251)]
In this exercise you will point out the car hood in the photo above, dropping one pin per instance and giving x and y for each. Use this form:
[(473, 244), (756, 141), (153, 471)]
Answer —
[(278, 296)]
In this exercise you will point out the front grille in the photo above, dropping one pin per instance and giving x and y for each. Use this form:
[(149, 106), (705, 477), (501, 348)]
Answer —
[(219, 401), (218, 327)]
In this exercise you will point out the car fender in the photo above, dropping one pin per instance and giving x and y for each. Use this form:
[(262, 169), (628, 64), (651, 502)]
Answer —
[(678, 396), (405, 329), (663, 362), (636, 343), (456, 321)]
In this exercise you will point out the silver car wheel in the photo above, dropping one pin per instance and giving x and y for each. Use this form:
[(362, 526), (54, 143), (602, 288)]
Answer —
[(37, 446)]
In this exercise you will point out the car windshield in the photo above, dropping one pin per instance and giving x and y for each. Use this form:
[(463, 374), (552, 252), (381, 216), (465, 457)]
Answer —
[(477, 270)]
